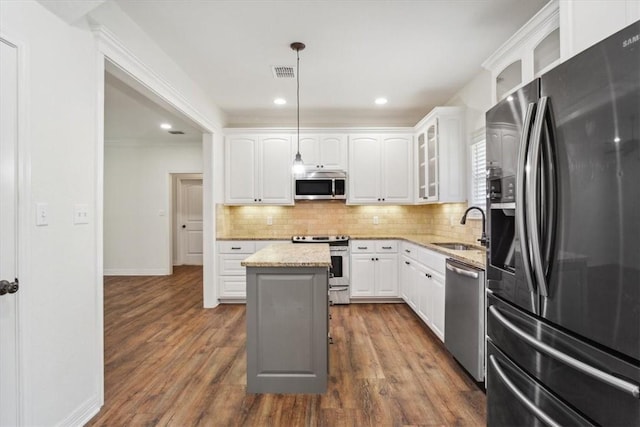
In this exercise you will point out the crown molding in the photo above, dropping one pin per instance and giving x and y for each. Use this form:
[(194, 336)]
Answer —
[(125, 59), (541, 24)]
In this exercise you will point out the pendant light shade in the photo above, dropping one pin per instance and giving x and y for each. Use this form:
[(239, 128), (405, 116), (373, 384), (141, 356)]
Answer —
[(298, 164)]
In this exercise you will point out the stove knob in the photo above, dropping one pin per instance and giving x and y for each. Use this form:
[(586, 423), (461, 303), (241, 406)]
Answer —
[(304, 238), (297, 238)]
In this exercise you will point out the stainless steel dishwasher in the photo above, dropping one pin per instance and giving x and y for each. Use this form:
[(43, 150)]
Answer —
[(464, 316)]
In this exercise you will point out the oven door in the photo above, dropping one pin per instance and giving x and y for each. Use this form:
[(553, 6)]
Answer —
[(339, 291)]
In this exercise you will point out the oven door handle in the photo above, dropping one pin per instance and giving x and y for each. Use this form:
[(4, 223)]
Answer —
[(338, 288)]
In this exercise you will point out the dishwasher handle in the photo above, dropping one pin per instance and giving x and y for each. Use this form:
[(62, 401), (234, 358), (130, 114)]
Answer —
[(463, 271)]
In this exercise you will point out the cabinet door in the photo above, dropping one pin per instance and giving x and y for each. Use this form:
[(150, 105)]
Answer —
[(333, 152), (386, 275), (431, 163), (240, 171), (275, 177), (425, 295), (309, 151), (364, 169), (397, 171), (362, 275), (438, 301), (405, 277)]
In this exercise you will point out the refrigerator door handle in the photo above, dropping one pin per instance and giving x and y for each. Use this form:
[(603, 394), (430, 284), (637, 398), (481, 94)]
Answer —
[(533, 202), (521, 190), (521, 396), (550, 201), (618, 383)]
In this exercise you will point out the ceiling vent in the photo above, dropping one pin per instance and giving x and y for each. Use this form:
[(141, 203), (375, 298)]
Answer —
[(283, 72), (176, 132)]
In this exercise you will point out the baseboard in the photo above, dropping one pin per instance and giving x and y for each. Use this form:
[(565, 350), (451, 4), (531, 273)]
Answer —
[(137, 272), (82, 414)]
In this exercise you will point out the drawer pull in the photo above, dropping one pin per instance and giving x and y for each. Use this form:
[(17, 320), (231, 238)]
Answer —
[(363, 247), (236, 248), (386, 247)]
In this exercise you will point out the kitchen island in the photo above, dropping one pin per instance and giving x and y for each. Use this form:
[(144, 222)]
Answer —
[(287, 319)]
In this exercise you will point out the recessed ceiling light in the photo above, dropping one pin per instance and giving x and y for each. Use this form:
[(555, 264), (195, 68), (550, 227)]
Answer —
[(279, 101), (381, 101), (616, 139), (165, 126)]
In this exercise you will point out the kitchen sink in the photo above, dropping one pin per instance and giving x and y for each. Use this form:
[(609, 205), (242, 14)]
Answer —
[(456, 246)]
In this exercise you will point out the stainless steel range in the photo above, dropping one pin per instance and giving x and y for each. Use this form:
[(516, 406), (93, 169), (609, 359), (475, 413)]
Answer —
[(339, 291)]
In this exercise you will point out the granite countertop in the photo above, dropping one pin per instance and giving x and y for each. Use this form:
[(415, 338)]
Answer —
[(290, 255), (475, 257)]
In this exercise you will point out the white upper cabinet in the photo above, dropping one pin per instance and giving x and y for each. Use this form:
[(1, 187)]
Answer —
[(380, 169), (324, 152), (440, 157), (531, 51), (585, 23), (258, 169)]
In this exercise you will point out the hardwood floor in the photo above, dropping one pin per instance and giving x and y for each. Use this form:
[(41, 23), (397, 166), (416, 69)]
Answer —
[(168, 361)]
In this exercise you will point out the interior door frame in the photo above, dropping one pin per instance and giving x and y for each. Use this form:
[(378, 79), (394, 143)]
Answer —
[(110, 50), (23, 208), (176, 240)]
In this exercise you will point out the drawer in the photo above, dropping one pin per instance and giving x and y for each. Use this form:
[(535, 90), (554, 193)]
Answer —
[(410, 250), (363, 246), (237, 246), (233, 287), (432, 259), (390, 246), (229, 264)]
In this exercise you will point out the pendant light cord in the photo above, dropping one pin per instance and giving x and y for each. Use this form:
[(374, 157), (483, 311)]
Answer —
[(298, 93)]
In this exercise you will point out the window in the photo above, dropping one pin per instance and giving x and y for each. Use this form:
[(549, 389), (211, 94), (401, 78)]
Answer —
[(478, 196)]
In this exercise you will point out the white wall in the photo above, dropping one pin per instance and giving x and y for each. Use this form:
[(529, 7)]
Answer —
[(61, 340), (138, 203)]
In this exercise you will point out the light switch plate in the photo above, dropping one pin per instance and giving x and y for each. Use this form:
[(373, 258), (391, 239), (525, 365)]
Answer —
[(42, 214), (81, 214)]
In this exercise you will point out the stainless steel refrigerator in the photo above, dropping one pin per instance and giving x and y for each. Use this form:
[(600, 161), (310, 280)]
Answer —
[(563, 267)]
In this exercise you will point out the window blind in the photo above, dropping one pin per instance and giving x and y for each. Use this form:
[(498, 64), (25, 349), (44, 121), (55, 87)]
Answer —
[(478, 174)]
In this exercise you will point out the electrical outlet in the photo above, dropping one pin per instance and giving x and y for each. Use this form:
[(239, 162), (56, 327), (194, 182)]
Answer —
[(269, 220), (376, 220)]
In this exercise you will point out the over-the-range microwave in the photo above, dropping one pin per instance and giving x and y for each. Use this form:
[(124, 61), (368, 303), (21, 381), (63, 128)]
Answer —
[(321, 185)]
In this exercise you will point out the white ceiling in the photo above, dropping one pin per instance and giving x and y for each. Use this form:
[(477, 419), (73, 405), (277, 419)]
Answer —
[(417, 53), (132, 115)]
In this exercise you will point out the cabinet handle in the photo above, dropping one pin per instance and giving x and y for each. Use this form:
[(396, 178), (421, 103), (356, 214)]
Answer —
[(407, 262), (235, 248), (317, 166), (407, 251), (255, 200), (377, 259), (386, 247), (373, 259), (363, 247)]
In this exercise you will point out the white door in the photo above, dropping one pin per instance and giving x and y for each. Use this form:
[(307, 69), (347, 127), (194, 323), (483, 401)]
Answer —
[(8, 234), (189, 211)]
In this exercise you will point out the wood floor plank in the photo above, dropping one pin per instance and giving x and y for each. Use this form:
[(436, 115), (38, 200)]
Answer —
[(169, 362)]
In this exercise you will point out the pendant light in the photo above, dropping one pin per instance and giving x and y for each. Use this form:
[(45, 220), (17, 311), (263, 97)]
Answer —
[(298, 164)]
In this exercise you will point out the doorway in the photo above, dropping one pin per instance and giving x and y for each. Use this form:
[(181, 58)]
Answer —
[(9, 304)]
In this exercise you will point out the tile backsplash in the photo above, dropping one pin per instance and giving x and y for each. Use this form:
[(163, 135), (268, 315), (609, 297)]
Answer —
[(337, 218)]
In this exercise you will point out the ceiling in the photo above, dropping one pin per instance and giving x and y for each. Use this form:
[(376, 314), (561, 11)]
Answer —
[(131, 115), (417, 53)]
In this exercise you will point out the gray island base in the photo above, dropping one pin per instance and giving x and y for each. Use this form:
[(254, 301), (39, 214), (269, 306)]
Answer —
[(288, 319)]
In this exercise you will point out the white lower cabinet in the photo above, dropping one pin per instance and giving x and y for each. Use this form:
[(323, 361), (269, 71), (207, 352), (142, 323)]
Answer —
[(423, 285), (374, 268), (232, 279)]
